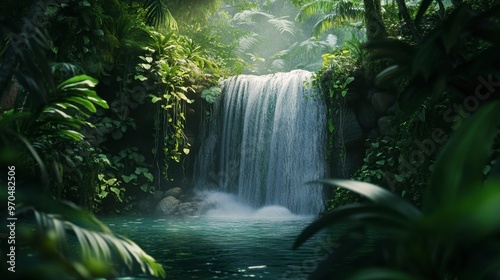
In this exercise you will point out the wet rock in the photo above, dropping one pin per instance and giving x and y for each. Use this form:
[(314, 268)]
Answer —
[(158, 195), (348, 130), (188, 209), (147, 205), (167, 206), (175, 192)]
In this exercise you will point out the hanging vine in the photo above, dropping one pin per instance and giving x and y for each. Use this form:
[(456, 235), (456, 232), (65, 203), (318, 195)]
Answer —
[(172, 68)]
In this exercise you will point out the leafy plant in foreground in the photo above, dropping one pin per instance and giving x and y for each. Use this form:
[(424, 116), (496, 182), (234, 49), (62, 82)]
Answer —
[(47, 111), (455, 236)]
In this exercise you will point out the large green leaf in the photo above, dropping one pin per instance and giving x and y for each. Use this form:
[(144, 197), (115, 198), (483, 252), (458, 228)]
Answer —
[(82, 102), (382, 274), (80, 81), (368, 213), (97, 243), (460, 164), (378, 195)]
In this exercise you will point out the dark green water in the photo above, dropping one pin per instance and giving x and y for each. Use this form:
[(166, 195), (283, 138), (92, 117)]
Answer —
[(226, 247)]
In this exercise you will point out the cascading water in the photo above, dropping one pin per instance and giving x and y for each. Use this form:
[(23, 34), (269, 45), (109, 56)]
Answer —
[(265, 141)]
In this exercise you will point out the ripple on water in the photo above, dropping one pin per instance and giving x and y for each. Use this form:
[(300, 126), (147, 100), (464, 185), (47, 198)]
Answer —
[(218, 247)]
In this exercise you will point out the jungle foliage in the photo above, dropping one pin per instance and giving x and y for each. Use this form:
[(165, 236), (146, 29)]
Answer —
[(434, 216), (97, 99)]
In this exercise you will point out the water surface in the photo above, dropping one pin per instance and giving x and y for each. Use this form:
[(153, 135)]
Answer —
[(224, 247)]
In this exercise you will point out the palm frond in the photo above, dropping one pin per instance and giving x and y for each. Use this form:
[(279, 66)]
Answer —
[(324, 24), (334, 12), (314, 8), (249, 17), (158, 14)]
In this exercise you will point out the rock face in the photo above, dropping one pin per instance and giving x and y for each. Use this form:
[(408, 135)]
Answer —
[(349, 130), (367, 114), (167, 206)]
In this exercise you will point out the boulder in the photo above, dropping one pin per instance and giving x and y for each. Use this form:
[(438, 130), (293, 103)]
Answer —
[(381, 101), (188, 209), (167, 206), (158, 195), (147, 205), (149, 202), (175, 192)]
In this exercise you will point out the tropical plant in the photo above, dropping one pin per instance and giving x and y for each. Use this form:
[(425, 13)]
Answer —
[(158, 14), (58, 227), (253, 45), (455, 236), (335, 13), (47, 109), (449, 58), (172, 70)]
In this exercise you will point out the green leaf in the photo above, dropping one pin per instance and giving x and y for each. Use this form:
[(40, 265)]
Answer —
[(70, 134), (81, 101), (186, 151), (154, 98), (80, 80), (127, 179), (390, 73), (115, 190), (381, 274), (144, 187), (459, 166), (331, 127), (140, 78), (378, 195), (149, 176), (99, 101), (379, 215), (111, 181)]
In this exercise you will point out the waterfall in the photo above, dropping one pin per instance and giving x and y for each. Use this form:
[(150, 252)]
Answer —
[(265, 140)]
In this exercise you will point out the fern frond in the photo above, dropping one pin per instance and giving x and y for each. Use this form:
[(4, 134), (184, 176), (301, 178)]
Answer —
[(283, 25), (248, 42)]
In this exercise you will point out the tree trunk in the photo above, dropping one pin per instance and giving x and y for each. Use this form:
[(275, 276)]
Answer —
[(409, 24), (375, 27)]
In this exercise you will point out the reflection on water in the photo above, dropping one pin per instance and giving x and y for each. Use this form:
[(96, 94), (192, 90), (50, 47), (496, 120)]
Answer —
[(225, 247)]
